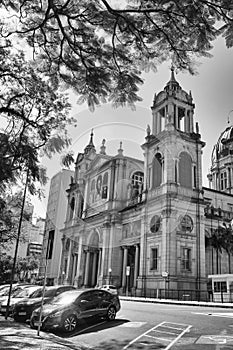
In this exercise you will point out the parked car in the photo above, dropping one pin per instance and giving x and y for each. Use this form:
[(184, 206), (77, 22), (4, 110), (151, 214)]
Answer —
[(110, 288), (16, 288), (19, 294), (23, 309), (67, 309)]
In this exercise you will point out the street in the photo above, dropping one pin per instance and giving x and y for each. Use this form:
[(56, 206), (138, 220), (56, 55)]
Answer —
[(161, 326), (141, 325)]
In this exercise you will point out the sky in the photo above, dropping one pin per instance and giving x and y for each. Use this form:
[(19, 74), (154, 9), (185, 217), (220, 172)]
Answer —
[(212, 91)]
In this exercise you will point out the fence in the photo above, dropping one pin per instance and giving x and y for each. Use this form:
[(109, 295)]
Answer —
[(185, 295)]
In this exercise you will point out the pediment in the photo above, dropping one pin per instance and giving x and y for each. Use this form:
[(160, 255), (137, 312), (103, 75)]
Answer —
[(98, 162)]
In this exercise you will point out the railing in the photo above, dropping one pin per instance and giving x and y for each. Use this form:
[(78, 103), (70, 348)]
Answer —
[(180, 295)]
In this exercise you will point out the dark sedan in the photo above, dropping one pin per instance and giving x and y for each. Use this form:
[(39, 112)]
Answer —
[(67, 309), (23, 309)]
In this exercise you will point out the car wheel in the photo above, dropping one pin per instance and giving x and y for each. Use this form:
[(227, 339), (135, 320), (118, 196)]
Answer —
[(70, 323), (111, 313)]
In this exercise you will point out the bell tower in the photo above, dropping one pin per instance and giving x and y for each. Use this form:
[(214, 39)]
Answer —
[(173, 173), (172, 105)]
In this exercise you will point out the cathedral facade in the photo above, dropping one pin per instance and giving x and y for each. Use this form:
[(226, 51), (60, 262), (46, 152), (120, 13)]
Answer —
[(144, 225)]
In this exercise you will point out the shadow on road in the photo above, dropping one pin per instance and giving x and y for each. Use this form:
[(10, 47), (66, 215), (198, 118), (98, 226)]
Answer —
[(91, 325)]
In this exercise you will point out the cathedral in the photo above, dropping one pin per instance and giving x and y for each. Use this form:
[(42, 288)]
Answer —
[(145, 226)]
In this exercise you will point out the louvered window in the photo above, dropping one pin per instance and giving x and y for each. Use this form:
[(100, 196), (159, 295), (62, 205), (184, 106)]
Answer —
[(157, 171), (185, 170)]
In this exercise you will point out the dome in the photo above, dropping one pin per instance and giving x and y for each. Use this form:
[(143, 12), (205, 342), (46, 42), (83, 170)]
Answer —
[(224, 145)]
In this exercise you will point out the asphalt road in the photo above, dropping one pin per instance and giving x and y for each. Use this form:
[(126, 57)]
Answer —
[(159, 326)]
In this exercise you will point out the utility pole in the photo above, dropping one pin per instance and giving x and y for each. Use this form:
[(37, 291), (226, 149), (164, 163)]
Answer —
[(17, 245)]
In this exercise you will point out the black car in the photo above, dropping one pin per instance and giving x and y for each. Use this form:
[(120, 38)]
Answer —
[(67, 309), (23, 309)]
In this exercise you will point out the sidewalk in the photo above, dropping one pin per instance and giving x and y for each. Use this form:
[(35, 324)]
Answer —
[(16, 336), (178, 302)]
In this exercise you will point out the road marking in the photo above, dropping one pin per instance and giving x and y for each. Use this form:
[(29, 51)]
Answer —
[(182, 328), (215, 339), (133, 324), (227, 315)]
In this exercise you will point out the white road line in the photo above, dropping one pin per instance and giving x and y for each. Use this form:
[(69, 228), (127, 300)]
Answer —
[(179, 336), (155, 330), (162, 324), (150, 336)]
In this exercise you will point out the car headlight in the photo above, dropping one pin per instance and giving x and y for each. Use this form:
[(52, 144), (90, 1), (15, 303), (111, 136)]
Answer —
[(55, 314)]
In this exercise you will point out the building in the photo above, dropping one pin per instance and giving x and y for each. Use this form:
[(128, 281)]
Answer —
[(144, 225), (55, 217)]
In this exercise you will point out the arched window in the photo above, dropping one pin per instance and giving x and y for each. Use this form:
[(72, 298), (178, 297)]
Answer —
[(105, 186), (92, 192), (72, 206), (157, 170), (185, 170)]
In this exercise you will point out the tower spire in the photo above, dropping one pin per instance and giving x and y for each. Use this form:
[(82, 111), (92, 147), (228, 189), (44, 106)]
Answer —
[(90, 146)]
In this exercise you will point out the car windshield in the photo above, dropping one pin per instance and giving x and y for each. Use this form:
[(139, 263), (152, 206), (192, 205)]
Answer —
[(37, 293), (24, 293), (50, 292), (4, 292), (66, 298)]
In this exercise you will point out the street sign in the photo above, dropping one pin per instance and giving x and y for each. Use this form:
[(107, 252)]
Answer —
[(164, 274)]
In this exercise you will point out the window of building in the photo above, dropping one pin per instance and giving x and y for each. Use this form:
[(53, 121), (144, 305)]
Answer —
[(155, 223), (50, 244), (105, 186), (220, 286), (137, 179), (185, 170), (223, 180), (72, 206), (186, 259), (194, 176), (186, 224), (157, 171), (154, 259)]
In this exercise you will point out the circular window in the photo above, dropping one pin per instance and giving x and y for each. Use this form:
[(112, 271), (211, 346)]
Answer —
[(155, 223), (186, 224)]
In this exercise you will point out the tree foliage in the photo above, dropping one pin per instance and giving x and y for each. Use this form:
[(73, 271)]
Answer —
[(34, 118), (10, 209), (24, 267), (101, 47)]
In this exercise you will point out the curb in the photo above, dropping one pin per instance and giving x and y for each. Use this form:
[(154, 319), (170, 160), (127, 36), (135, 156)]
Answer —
[(178, 302)]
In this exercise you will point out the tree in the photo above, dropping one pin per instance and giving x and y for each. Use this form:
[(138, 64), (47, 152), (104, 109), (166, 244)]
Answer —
[(35, 118), (215, 240), (100, 47), (10, 208), (24, 267), (227, 242)]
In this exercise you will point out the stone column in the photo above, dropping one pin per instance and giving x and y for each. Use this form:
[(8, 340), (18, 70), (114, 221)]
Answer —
[(67, 279), (87, 268), (159, 126), (124, 266), (136, 265), (94, 268)]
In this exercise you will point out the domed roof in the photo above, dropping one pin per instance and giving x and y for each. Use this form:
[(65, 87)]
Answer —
[(224, 145)]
